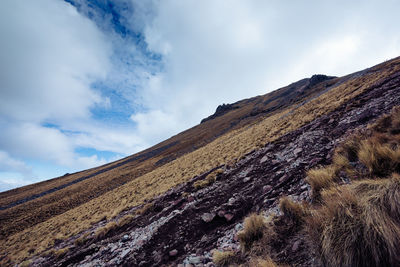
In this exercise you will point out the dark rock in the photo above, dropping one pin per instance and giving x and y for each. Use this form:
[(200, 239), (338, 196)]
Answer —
[(208, 217), (318, 78), (264, 159), (315, 161), (221, 110), (125, 238), (228, 216), (284, 178), (297, 151), (267, 188), (173, 253), (296, 246), (221, 213)]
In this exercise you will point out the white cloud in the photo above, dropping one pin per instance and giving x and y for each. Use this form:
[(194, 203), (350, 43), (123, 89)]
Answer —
[(9, 164), (223, 51), (49, 56), (213, 52)]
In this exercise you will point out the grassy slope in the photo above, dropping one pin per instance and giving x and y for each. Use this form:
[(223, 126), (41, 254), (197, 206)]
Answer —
[(230, 146), (247, 111)]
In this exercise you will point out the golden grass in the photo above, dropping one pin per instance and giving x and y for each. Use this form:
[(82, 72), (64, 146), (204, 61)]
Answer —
[(127, 219), (209, 180), (295, 211), (380, 159), (268, 262), (60, 253), (103, 231), (254, 227), (229, 146), (321, 178), (223, 258), (359, 224), (82, 239)]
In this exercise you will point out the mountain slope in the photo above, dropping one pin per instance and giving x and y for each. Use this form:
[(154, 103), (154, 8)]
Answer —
[(278, 128), (64, 193)]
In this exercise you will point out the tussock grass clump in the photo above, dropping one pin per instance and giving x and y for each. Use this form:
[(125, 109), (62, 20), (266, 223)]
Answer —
[(359, 224), (380, 159), (254, 227), (224, 258), (295, 211), (321, 178), (389, 123), (349, 148)]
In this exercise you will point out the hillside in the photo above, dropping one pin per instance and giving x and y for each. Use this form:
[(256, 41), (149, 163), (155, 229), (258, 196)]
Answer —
[(176, 202)]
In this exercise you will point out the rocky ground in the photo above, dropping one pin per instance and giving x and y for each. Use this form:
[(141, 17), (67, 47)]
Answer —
[(183, 226)]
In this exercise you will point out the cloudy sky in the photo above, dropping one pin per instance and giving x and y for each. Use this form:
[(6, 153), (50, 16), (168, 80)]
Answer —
[(86, 82)]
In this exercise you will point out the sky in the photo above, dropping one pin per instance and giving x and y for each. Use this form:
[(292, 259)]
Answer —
[(83, 83)]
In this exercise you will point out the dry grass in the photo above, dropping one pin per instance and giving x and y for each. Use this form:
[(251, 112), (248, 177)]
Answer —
[(25, 263), (209, 180), (83, 239), (127, 219), (268, 262), (232, 145), (359, 224), (60, 253), (293, 210), (224, 258), (321, 178), (380, 159), (105, 230), (254, 227)]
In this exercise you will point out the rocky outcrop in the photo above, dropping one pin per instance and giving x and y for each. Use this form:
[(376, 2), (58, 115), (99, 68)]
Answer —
[(221, 110)]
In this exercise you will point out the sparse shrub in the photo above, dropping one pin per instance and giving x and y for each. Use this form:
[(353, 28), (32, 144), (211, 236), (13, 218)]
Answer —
[(224, 258), (254, 227)]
